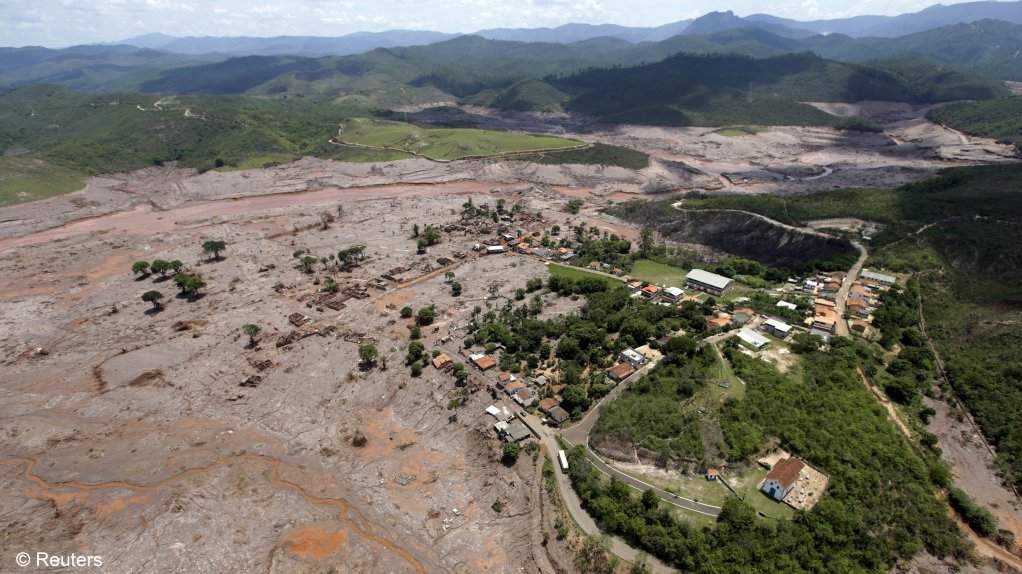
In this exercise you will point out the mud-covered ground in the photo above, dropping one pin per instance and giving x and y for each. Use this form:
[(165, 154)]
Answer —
[(163, 441)]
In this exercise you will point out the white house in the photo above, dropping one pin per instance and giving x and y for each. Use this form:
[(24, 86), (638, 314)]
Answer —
[(673, 294), (754, 339), (779, 329), (787, 305), (782, 478), (633, 358)]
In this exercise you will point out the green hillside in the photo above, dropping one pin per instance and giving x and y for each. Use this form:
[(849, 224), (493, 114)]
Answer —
[(1000, 119), (526, 95), (730, 89)]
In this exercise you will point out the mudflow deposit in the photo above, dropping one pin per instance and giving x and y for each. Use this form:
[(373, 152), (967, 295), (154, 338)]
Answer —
[(163, 439)]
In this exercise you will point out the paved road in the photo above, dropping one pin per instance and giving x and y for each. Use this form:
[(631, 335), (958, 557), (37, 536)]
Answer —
[(573, 503), (842, 294)]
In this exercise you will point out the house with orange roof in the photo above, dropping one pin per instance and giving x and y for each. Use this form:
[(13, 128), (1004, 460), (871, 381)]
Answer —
[(620, 371), (782, 478), (548, 403), (719, 322), (442, 361), (485, 362), (650, 291)]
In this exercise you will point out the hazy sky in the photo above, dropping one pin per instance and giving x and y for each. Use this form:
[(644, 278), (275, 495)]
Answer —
[(56, 23)]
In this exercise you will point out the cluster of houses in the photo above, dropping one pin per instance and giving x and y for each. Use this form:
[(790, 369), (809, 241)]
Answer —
[(756, 339), (509, 427), (654, 293), (606, 268), (528, 393), (862, 299), (630, 360)]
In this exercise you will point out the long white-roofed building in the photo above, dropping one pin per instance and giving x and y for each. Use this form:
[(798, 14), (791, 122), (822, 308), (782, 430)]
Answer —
[(711, 283)]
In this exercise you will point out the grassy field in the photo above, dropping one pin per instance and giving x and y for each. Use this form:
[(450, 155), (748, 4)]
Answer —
[(25, 178), (659, 273), (738, 131), (696, 487), (445, 143), (577, 273)]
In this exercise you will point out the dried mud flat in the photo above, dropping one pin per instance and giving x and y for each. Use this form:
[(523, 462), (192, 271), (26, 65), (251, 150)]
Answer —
[(164, 442)]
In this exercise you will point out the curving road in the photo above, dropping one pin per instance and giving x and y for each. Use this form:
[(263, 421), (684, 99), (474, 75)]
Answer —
[(579, 434)]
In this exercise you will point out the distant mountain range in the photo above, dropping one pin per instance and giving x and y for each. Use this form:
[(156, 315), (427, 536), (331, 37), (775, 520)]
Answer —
[(511, 73), (936, 16)]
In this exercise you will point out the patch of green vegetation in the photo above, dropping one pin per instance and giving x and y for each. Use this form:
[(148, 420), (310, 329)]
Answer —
[(526, 95), (659, 273), (445, 143), (28, 178), (575, 273), (738, 131), (650, 413), (87, 134), (596, 154), (1000, 119), (880, 496)]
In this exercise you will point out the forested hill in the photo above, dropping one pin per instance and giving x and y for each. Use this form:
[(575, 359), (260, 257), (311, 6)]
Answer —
[(720, 89), (1000, 119)]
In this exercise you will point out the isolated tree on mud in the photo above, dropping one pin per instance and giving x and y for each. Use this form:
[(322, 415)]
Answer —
[(153, 297), (307, 262), (214, 247), (251, 330), (367, 352), (176, 265), (509, 453), (140, 268), (425, 315), (189, 284), (456, 289), (160, 266)]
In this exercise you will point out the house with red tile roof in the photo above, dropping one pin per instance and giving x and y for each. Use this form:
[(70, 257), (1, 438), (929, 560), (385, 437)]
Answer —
[(782, 478), (620, 371)]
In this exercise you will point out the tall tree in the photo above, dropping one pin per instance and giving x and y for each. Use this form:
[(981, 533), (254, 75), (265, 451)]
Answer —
[(251, 330), (646, 240), (160, 266), (367, 352), (213, 247), (153, 297)]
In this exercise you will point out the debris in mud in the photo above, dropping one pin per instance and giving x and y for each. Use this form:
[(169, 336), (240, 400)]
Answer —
[(260, 364), (297, 319), (404, 479), (359, 440), (251, 381)]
